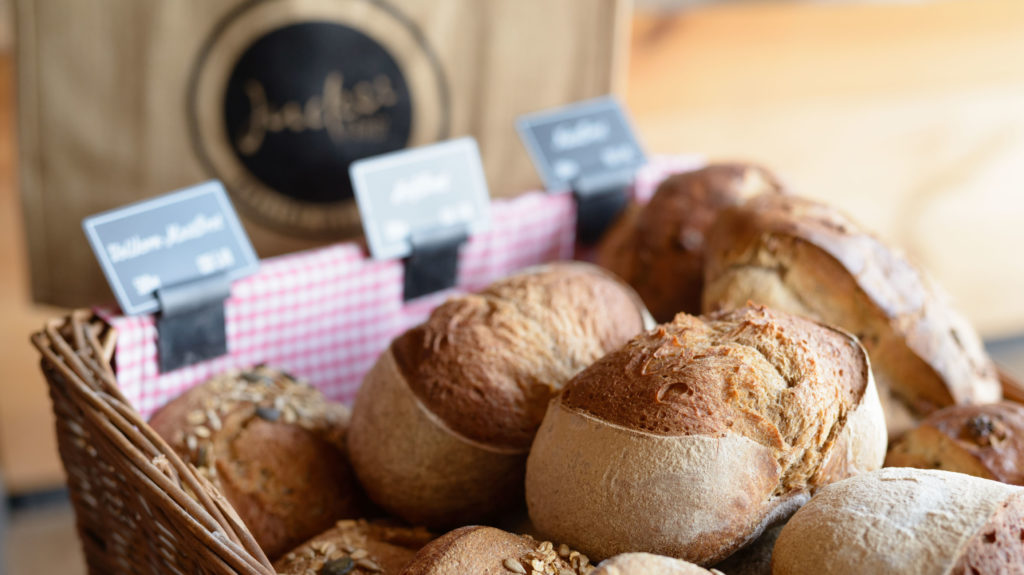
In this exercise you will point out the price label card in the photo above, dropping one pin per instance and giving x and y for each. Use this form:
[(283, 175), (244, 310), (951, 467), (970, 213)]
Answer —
[(582, 140), (420, 191), (169, 241)]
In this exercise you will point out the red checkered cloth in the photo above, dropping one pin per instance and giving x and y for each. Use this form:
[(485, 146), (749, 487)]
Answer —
[(326, 314)]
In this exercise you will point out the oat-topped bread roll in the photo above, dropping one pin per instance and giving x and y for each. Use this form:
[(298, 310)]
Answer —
[(488, 551), (698, 434), (981, 440), (906, 521), (356, 547), (658, 248), (649, 564), (273, 446), (807, 258), (442, 423)]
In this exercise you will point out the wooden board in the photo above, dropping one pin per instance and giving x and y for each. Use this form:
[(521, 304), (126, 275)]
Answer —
[(121, 100)]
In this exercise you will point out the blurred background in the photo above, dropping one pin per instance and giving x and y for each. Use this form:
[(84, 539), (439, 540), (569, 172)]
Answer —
[(908, 115)]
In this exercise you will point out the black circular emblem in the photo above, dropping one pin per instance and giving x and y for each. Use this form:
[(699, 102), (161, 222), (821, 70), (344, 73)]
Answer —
[(286, 95)]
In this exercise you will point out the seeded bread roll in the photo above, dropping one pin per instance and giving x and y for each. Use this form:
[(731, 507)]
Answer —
[(442, 423), (659, 248), (803, 257), (489, 551), (981, 440), (356, 547), (908, 521), (698, 434), (273, 446), (649, 564)]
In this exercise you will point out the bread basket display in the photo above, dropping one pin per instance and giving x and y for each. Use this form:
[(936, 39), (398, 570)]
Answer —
[(539, 397)]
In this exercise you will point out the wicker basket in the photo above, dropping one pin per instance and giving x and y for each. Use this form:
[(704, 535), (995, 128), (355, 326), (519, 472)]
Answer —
[(139, 507)]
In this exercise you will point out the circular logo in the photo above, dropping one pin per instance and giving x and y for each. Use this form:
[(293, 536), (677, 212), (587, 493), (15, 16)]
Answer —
[(287, 94)]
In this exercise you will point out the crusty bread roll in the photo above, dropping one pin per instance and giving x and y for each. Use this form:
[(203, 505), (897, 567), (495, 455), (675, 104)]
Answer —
[(273, 446), (488, 551), (698, 434), (807, 258), (442, 423), (649, 564), (907, 521), (981, 440), (356, 547), (658, 248)]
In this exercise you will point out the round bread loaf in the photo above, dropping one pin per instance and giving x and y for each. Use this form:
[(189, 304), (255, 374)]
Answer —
[(273, 446), (698, 434), (658, 248), (649, 564), (356, 547), (488, 551), (803, 257), (907, 521), (443, 422), (981, 440)]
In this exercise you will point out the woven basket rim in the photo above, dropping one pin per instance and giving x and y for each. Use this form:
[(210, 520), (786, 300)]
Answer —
[(121, 473)]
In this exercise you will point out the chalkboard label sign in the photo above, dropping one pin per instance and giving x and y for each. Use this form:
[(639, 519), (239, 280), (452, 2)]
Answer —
[(420, 192), (167, 242), (581, 141)]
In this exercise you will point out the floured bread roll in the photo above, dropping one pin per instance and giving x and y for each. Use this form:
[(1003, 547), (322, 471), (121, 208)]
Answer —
[(443, 422), (658, 248), (981, 440), (488, 551), (698, 434), (907, 521), (807, 258), (649, 564)]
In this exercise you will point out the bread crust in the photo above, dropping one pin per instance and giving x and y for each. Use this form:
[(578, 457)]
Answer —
[(804, 257), (688, 477), (416, 468), (648, 564), (488, 551), (364, 547), (981, 440), (443, 421), (658, 248), (274, 447), (900, 520), (487, 363)]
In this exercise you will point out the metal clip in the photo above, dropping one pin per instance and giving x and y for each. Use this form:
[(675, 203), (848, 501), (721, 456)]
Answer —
[(433, 264), (191, 326), (600, 198)]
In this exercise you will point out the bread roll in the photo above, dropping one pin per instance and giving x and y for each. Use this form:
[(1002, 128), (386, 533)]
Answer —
[(981, 440), (489, 551), (356, 547), (442, 423), (908, 521), (658, 248), (803, 257), (698, 434), (273, 446), (648, 564)]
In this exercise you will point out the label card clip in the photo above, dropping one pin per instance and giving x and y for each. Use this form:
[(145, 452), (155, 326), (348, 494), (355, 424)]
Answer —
[(589, 148), (176, 254), (422, 204)]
